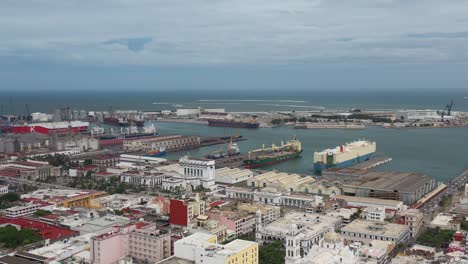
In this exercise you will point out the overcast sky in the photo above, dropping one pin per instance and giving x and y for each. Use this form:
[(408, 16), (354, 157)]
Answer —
[(263, 44)]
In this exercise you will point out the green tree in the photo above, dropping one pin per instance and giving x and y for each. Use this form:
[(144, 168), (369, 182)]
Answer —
[(273, 253), (435, 237), (10, 237), (41, 212), (10, 197)]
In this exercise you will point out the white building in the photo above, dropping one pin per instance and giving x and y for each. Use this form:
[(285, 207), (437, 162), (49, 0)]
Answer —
[(412, 115), (151, 180), (198, 172), (187, 112), (19, 211), (298, 231), (330, 250), (3, 189), (374, 214), (201, 248), (366, 231)]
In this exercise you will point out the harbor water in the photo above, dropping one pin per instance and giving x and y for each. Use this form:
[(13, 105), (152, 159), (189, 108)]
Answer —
[(441, 153)]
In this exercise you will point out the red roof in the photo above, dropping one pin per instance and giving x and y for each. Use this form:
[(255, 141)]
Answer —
[(217, 203), (9, 172), (36, 201), (46, 231), (51, 217)]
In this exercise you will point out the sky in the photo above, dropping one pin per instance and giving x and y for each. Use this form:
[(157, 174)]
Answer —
[(233, 44)]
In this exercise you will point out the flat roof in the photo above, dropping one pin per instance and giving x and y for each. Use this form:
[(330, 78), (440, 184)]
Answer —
[(375, 228), (369, 200), (401, 181), (175, 260)]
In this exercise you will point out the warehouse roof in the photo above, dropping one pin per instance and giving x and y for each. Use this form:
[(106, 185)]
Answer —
[(368, 200), (401, 181)]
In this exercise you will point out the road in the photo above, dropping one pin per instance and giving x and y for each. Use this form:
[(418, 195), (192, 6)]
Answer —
[(40, 185), (452, 189)]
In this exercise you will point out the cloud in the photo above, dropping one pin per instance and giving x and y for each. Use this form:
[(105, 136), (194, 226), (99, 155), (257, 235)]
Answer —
[(133, 44), (233, 32), (462, 34)]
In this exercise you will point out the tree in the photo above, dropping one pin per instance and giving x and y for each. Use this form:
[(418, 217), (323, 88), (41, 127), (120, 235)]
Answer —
[(435, 237), (41, 212), (12, 238), (10, 197), (273, 253), (88, 162)]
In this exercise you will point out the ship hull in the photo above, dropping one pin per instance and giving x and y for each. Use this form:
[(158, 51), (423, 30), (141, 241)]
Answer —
[(320, 166), (121, 139), (251, 164), (235, 124), (157, 154)]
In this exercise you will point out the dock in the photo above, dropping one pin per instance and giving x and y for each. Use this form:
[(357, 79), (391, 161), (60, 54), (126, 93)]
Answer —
[(210, 141), (357, 169)]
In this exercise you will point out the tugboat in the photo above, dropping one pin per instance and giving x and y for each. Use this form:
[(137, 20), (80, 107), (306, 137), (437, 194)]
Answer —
[(156, 153)]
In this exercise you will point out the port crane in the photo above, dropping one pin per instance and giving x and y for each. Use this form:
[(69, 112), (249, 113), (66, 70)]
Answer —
[(448, 110)]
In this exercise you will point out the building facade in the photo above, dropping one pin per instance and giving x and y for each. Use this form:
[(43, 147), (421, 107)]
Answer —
[(366, 231), (141, 241)]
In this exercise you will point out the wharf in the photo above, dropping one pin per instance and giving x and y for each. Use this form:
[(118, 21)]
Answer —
[(357, 169), (232, 162), (210, 141)]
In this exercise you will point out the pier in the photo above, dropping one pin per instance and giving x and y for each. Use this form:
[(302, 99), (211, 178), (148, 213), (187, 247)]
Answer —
[(357, 169)]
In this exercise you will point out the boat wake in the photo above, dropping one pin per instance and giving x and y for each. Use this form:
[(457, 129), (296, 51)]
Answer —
[(251, 100)]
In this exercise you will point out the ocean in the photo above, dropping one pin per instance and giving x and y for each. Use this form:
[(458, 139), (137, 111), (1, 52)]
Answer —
[(47, 101)]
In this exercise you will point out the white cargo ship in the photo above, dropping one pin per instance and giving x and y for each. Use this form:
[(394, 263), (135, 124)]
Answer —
[(344, 155)]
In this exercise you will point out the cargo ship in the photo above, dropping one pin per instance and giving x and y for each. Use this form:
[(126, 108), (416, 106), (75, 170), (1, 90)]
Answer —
[(233, 123), (344, 156), (123, 122), (114, 139), (233, 150), (156, 153), (276, 154)]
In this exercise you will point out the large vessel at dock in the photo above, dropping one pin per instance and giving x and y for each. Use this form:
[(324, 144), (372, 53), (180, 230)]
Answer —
[(344, 156), (232, 150), (233, 123), (126, 134), (276, 154), (123, 122)]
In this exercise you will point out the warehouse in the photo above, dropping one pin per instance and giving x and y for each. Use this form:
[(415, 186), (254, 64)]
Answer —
[(169, 143), (401, 186), (232, 176)]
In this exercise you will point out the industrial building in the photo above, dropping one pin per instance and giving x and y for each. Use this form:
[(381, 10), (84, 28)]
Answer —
[(169, 143), (403, 186), (232, 175)]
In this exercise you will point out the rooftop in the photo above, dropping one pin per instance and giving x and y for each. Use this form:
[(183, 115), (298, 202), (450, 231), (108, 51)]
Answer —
[(401, 181), (368, 200), (375, 228), (46, 231), (175, 260), (310, 223)]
